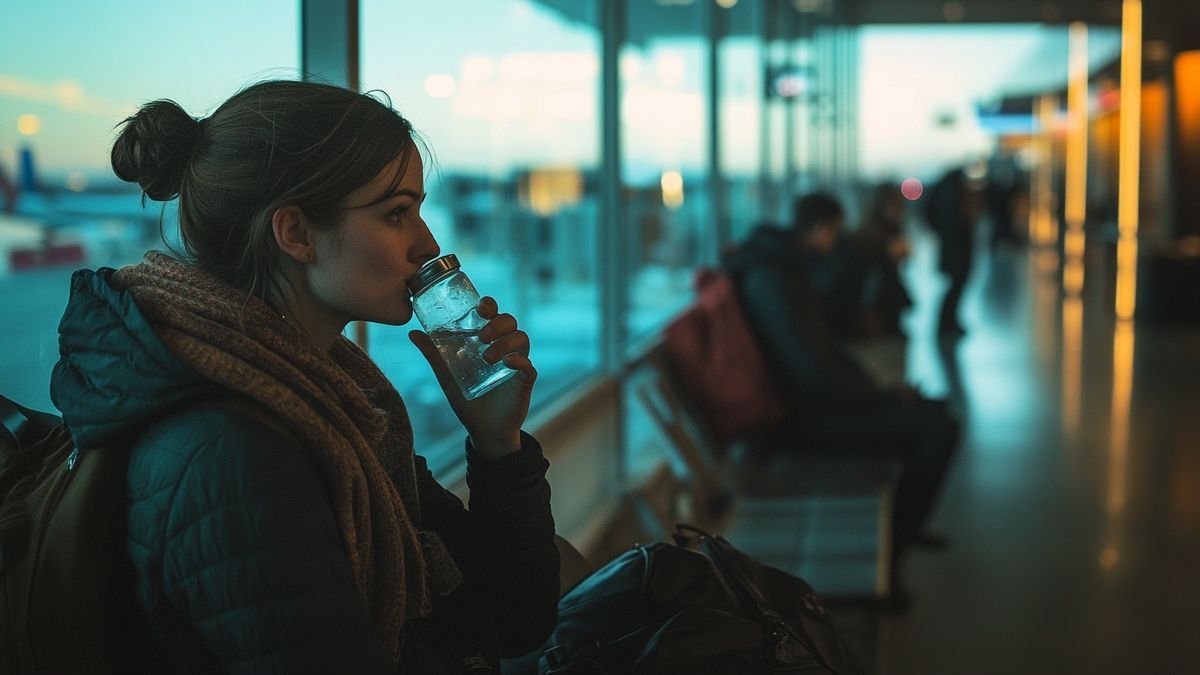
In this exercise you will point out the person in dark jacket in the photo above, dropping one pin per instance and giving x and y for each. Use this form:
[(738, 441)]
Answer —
[(950, 210), (833, 405), (278, 518)]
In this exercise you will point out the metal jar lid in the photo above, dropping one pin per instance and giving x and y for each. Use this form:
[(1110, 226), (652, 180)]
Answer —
[(432, 271)]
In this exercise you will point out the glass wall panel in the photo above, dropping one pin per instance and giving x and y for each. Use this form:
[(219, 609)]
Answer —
[(779, 111), (506, 96), (742, 88), (664, 150), (69, 73)]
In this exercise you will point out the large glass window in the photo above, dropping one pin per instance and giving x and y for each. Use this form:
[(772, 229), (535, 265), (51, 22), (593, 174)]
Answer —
[(508, 103), (69, 73), (740, 60), (664, 151), (922, 88)]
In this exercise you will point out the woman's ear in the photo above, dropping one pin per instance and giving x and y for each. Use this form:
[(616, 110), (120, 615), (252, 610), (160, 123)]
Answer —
[(292, 233)]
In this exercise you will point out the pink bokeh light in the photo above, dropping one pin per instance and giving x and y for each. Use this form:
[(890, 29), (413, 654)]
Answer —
[(912, 189)]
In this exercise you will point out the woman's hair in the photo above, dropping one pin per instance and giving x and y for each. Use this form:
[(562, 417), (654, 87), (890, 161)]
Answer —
[(815, 208), (273, 144)]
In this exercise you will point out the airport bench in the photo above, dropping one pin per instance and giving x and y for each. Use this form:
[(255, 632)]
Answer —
[(826, 520)]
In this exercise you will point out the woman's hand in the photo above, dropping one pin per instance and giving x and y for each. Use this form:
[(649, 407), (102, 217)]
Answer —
[(493, 420)]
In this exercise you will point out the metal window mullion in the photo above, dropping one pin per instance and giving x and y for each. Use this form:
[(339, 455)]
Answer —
[(717, 230), (329, 35), (613, 232)]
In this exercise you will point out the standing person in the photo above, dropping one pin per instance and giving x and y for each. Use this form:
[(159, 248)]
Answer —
[(883, 245), (950, 213), (1000, 192), (296, 531), (833, 405)]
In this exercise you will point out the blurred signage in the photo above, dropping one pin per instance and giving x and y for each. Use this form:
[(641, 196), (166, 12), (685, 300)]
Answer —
[(790, 83)]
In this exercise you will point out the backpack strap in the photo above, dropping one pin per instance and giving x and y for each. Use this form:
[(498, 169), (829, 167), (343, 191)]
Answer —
[(17, 423), (10, 421)]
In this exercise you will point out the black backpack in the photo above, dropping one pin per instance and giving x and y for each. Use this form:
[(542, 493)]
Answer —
[(62, 529), (699, 607)]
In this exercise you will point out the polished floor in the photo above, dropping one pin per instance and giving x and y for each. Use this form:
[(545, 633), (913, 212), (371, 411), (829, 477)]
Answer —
[(1074, 507)]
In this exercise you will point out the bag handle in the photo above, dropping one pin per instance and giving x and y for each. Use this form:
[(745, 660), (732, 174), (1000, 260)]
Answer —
[(715, 546)]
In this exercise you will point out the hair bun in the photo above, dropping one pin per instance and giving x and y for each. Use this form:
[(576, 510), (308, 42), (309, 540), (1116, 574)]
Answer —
[(154, 148)]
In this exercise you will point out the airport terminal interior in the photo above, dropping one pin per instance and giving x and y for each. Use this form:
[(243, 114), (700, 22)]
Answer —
[(588, 161)]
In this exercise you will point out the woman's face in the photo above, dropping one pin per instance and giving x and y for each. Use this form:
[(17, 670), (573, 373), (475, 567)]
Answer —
[(361, 266)]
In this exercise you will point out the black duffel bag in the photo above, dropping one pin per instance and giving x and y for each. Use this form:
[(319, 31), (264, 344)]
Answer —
[(699, 606)]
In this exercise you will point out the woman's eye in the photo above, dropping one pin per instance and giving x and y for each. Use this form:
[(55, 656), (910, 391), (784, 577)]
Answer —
[(397, 213)]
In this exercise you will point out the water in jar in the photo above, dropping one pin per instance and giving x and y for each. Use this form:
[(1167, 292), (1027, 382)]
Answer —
[(462, 350)]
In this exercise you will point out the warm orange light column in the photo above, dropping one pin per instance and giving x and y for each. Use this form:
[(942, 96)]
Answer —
[(1130, 160), (1075, 211)]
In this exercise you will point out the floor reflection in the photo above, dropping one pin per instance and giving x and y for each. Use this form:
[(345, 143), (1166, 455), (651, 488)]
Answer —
[(1074, 507), (1072, 367), (1122, 391)]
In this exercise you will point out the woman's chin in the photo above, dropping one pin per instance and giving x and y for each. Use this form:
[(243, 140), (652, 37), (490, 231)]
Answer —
[(399, 317)]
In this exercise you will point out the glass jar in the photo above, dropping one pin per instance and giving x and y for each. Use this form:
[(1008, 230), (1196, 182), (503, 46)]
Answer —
[(445, 302)]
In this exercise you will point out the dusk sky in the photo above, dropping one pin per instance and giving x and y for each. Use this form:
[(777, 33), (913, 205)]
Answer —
[(515, 84)]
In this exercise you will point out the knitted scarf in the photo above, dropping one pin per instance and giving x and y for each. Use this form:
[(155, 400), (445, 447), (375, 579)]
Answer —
[(351, 420)]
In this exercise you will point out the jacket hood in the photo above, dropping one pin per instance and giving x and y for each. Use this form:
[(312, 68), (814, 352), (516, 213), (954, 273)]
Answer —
[(113, 371)]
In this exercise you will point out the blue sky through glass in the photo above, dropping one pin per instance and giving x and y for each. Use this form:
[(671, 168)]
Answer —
[(81, 66)]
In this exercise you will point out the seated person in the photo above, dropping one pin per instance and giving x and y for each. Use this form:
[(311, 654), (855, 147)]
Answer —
[(833, 405), (882, 246), (306, 537)]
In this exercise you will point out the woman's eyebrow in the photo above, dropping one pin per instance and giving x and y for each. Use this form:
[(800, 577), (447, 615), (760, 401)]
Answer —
[(402, 192), (406, 192)]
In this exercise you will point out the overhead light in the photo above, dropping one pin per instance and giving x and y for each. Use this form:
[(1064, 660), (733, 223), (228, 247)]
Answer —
[(1157, 51), (954, 12)]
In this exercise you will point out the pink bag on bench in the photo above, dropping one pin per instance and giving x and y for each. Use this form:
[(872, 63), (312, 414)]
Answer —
[(717, 362)]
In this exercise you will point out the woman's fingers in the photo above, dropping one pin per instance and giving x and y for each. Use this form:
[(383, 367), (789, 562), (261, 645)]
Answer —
[(502, 336), (521, 363), (498, 327), (487, 307), (513, 343)]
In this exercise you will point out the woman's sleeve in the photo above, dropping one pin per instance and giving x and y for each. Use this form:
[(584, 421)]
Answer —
[(252, 558), (505, 542)]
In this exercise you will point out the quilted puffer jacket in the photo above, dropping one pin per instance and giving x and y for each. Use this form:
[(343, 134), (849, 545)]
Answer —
[(236, 561)]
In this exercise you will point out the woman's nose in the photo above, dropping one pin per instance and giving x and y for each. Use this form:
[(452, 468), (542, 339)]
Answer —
[(428, 248)]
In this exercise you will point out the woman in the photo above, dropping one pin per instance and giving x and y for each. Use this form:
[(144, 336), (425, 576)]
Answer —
[(279, 520)]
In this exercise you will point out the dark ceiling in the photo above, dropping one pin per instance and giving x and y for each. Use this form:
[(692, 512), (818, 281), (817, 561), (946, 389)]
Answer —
[(1157, 12), (985, 11), (647, 18)]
